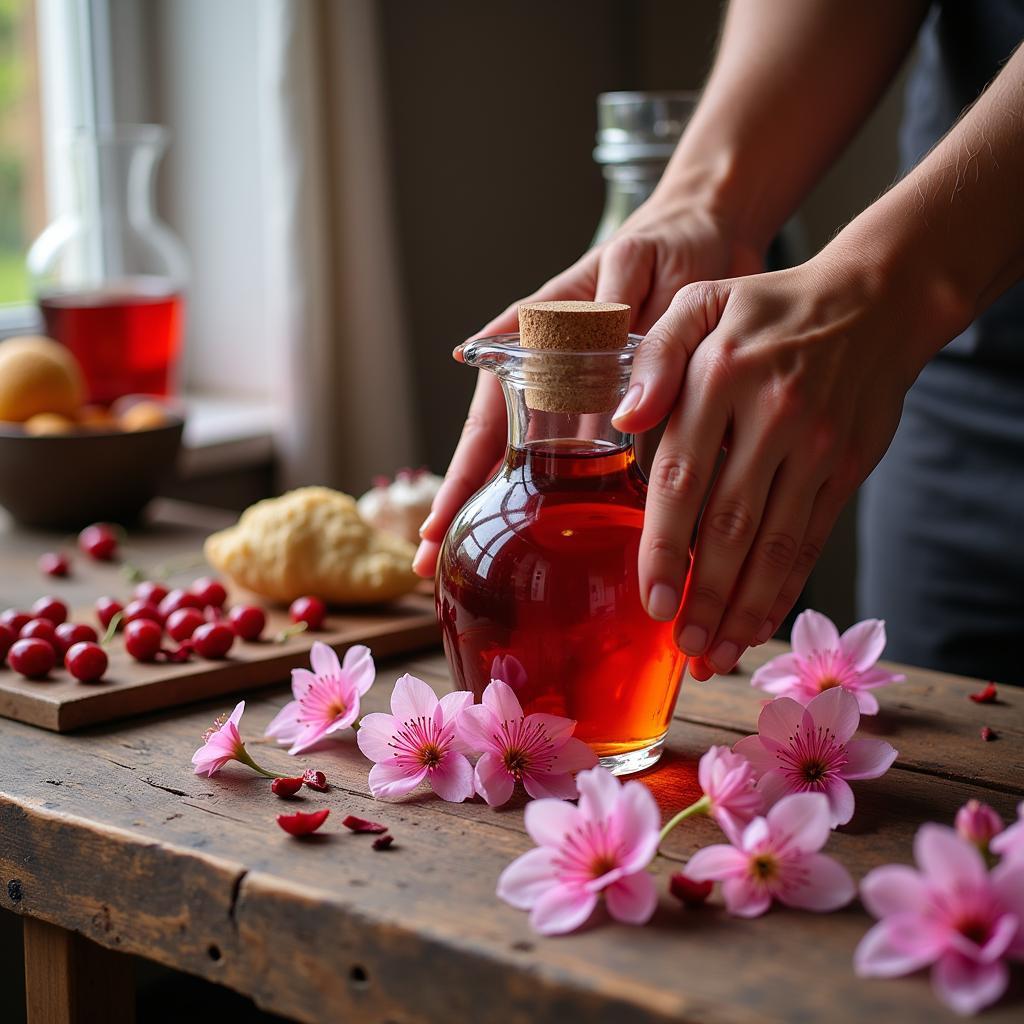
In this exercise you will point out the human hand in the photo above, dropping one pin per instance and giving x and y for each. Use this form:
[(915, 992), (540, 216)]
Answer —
[(664, 245), (800, 375)]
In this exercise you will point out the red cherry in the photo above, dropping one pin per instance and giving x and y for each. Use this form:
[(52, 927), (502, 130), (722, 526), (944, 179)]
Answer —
[(99, 541), (54, 564), (247, 621), (142, 610), (7, 637), (142, 639), (71, 633), (176, 599), (106, 609), (40, 629), (14, 619), (310, 610), (86, 662), (151, 592), (32, 658), (210, 591), (51, 608), (183, 623), (212, 640)]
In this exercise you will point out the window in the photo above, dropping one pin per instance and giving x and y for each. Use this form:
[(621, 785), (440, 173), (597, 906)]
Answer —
[(23, 208)]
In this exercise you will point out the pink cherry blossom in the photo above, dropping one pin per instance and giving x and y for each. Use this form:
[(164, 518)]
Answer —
[(538, 750), (727, 780), (417, 742), (950, 913), (222, 743), (1010, 844), (509, 669), (809, 749), (978, 823), (326, 699), (822, 659), (777, 858), (602, 845)]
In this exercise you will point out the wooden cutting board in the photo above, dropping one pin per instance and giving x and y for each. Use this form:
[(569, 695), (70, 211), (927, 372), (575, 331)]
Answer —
[(130, 687)]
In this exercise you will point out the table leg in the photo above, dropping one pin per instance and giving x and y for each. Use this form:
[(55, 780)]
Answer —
[(70, 980)]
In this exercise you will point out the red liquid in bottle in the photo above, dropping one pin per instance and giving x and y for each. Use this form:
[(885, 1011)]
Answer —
[(125, 340), (539, 571)]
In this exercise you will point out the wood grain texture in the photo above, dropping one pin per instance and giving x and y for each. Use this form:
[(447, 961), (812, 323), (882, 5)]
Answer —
[(70, 980), (129, 688)]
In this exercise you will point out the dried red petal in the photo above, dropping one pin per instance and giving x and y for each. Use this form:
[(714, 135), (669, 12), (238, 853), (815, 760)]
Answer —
[(315, 779), (985, 696), (988, 734), (301, 824), (363, 824), (692, 893), (383, 842), (286, 787)]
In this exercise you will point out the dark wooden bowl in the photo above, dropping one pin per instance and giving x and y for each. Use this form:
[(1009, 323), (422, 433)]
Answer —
[(67, 481)]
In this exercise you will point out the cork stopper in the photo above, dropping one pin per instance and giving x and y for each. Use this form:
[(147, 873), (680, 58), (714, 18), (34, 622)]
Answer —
[(560, 327)]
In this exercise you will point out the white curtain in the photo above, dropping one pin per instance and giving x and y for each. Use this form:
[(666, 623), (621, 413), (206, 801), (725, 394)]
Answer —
[(333, 296)]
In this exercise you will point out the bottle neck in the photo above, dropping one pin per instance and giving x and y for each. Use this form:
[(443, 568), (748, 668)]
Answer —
[(582, 432)]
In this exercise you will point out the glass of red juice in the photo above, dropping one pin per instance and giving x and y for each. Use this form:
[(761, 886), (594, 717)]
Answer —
[(109, 275), (537, 581)]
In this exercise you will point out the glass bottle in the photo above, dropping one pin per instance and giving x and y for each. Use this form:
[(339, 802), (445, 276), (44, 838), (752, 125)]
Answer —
[(537, 578), (109, 275), (636, 134)]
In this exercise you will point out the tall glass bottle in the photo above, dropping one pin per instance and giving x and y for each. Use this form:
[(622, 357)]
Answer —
[(537, 578), (109, 275)]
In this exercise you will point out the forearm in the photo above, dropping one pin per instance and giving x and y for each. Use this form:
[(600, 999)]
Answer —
[(792, 82), (950, 235)]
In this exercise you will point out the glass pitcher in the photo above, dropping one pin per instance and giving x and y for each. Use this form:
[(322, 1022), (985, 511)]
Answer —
[(109, 276), (537, 578)]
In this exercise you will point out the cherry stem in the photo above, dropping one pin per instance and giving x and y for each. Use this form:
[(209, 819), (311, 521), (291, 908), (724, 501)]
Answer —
[(701, 806), (246, 758), (293, 630), (115, 621)]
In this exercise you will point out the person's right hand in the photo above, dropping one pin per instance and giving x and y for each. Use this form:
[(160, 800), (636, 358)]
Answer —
[(662, 247)]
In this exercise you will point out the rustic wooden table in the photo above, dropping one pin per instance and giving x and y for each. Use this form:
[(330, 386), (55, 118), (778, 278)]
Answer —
[(110, 845)]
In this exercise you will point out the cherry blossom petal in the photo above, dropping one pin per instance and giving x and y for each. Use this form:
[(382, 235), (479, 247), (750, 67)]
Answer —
[(638, 820), (946, 860), (324, 659), (494, 782), (773, 786), (550, 785), (501, 700), (599, 793), (302, 680), (841, 801), (449, 710), (868, 759), (866, 702), (762, 759), (812, 632), (548, 822), (1000, 939), (479, 728), (452, 779), (412, 698), (717, 862), (359, 666), (562, 909), (1008, 883), (574, 756), (822, 884), (528, 877), (872, 678), (801, 822), (863, 643), (285, 724), (966, 986), (375, 735), (745, 899), (388, 779), (901, 944), (308, 736), (559, 729), (779, 720), (834, 709), (632, 899), (894, 889), (755, 835), (783, 669), (236, 716)]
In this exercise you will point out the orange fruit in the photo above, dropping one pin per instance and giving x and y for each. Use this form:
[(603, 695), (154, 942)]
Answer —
[(49, 423), (38, 375)]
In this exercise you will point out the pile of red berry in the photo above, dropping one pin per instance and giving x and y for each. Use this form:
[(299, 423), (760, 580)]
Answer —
[(35, 642)]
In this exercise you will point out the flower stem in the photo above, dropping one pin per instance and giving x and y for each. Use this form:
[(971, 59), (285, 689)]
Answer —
[(701, 806), (246, 758)]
